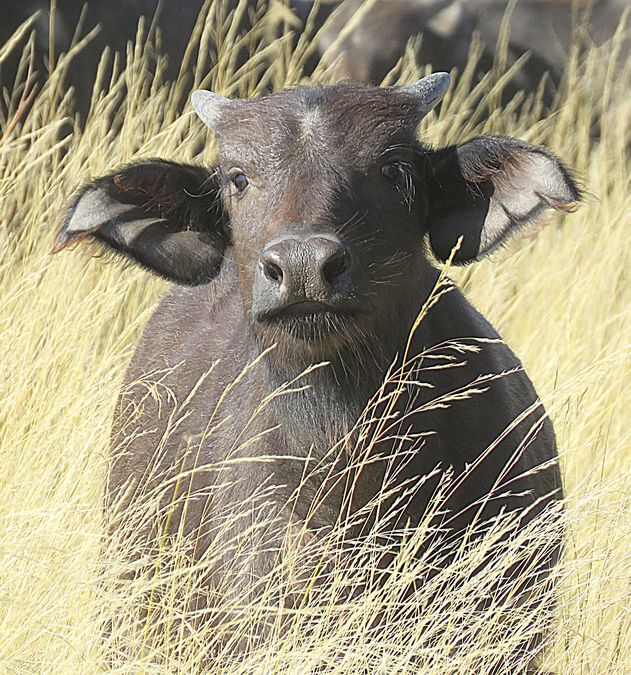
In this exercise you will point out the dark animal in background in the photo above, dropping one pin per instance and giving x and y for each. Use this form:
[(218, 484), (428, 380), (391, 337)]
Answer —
[(446, 28), (545, 28), (309, 233), (541, 29), (381, 32)]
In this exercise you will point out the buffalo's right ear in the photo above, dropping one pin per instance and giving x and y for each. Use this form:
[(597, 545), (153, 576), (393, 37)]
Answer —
[(165, 216)]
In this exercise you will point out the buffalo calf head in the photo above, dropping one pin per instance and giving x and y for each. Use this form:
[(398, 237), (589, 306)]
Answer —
[(320, 202)]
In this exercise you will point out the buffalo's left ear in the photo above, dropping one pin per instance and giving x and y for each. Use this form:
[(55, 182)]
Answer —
[(486, 189)]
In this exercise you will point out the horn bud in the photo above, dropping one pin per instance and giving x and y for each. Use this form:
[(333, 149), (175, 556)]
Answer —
[(429, 90), (208, 106)]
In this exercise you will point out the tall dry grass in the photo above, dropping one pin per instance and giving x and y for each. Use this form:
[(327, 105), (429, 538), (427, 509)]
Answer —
[(68, 326)]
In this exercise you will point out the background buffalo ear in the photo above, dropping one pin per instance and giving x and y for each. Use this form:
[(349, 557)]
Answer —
[(163, 215), (486, 189)]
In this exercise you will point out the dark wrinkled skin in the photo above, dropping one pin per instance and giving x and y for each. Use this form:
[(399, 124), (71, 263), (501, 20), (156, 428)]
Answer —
[(325, 178)]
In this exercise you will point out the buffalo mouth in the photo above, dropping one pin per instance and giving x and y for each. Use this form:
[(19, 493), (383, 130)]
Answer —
[(311, 321)]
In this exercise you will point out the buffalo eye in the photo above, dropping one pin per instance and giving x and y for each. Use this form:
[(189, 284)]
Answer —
[(239, 180), (392, 171)]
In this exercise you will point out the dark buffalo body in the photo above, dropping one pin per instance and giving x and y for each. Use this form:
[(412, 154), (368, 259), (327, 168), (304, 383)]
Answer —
[(309, 243)]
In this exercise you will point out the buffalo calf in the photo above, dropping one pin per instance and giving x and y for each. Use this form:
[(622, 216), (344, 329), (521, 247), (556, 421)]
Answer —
[(304, 256)]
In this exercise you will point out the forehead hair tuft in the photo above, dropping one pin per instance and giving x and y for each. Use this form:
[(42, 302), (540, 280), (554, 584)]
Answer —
[(310, 120)]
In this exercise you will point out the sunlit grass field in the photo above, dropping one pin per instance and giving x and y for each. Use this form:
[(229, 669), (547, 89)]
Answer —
[(561, 297)]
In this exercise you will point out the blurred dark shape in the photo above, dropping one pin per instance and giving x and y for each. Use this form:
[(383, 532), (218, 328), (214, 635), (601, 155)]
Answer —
[(542, 30), (546, 27), (381, 32)]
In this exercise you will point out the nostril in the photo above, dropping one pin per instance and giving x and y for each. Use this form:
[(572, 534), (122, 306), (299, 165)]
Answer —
[(273, 271), (336, 265)]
